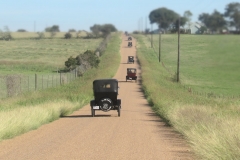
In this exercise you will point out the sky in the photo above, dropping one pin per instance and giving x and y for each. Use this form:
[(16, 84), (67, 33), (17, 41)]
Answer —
[(125, 15)]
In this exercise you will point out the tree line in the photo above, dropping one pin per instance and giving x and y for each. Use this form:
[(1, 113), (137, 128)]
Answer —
[(167, 19), (97, 31)]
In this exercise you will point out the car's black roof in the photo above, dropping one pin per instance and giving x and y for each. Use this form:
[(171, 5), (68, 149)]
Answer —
[(98, 85), (105, 80)]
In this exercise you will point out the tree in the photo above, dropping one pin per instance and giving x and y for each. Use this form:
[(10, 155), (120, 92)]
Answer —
[(88, 58), (71, 30), (54, 28), (107, 29), (214, 22), (5, 34), (96, 28), (21, 30), (232, 11), (71, 63), (188, 14), (41, 35), (182, 23), (68, 35), (163, 17)]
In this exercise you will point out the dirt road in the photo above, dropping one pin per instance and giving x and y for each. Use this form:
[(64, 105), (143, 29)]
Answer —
[(137, 135)]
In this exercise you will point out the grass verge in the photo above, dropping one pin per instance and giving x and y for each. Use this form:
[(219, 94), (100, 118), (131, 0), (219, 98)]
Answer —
[(210, 125)]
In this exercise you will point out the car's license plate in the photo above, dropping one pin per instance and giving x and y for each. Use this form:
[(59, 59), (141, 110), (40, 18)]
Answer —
[(95, 107)]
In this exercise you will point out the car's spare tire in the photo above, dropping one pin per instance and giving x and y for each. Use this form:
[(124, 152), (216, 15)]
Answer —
[(105, 104)]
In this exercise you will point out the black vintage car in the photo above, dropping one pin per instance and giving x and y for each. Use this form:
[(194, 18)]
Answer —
[(130, 59), (105, 96), (129, 44), (129, 38)]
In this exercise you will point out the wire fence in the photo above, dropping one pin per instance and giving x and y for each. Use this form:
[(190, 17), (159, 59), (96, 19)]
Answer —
[(12, 85), (189, 89)]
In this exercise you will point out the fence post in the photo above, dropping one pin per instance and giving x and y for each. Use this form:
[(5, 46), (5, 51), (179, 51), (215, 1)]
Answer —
[(28, 83), (47, 80), (35, 81), (60, 78), (20, 84)]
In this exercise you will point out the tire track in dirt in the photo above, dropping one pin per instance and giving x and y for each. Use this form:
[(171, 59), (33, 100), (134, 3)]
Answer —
[(137, 134)]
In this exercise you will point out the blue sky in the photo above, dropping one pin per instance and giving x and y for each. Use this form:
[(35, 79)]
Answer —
[(126, 15)]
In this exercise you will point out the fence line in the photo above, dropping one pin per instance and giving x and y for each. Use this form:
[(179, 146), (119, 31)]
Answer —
[(12, 85), (189, 89)]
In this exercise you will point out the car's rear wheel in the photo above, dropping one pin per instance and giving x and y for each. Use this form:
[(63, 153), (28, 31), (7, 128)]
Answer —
[(93, 112), (106, 104)]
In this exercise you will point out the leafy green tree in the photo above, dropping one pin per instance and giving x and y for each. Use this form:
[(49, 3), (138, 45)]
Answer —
[(54, 28), (182, 23), (107, 29), (188, 14), (71, 63), (68, 35), (214, 21), (21, 30), (232, 11), (88, 58), (163, 17), (72, 30), (96, 28)]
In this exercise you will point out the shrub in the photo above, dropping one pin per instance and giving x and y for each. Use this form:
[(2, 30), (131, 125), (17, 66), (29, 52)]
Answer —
[(68, 35)]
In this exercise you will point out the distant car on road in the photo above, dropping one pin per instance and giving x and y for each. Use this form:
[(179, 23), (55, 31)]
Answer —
[(129, 38), (129, 44), (130, 59), (105, 96), (131, 74)]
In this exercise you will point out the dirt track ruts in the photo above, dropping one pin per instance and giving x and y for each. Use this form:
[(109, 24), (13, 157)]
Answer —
[(137, 135)]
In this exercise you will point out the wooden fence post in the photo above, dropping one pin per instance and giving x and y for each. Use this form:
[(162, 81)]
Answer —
[(35, 81)]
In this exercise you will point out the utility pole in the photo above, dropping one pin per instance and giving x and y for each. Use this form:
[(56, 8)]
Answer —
[(146, 25), (151, 36), (159, 45), (178, 50)]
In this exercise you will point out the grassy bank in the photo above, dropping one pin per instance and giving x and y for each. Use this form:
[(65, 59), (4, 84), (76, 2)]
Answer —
[(209, 124), (31, 110)]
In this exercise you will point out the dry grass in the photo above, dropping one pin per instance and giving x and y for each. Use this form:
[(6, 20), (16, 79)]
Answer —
[(22, 119)]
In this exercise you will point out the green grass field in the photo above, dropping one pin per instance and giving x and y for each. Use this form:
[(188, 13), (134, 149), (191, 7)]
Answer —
[(209, 124), (209, 64), (24, 55)]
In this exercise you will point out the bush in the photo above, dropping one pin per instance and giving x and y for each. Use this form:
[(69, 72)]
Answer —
[(71, 63), (68, 35), (72, 30), (21, 30)]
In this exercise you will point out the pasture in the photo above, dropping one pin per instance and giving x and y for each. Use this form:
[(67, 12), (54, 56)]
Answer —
[(210, 124), (209, 64), (29, 55)]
